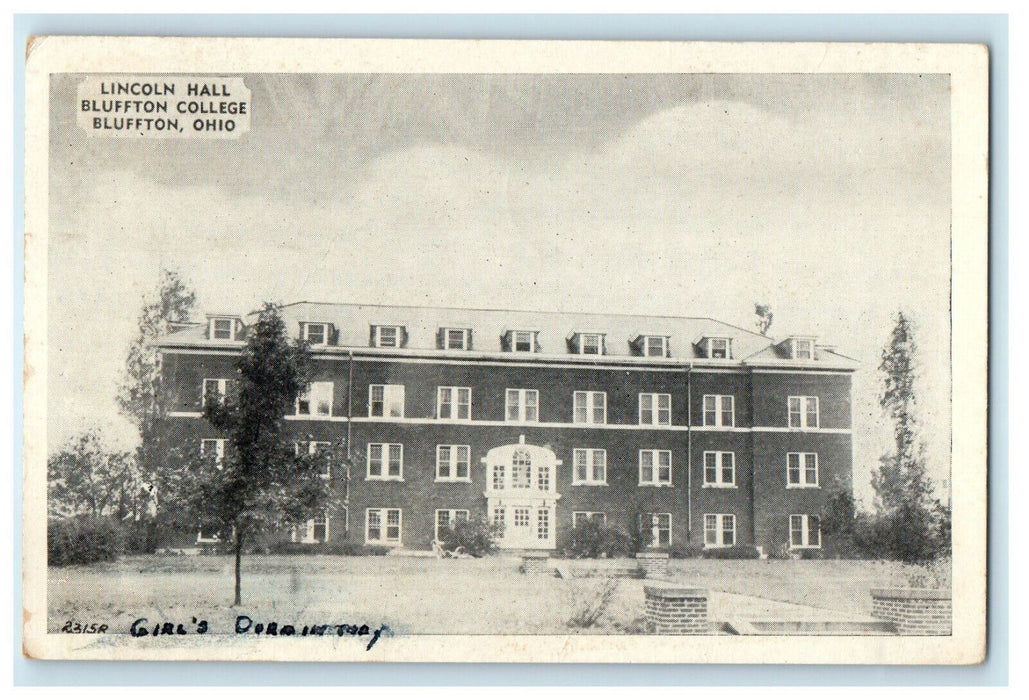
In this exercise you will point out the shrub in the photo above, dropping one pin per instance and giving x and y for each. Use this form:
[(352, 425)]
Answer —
[(82, 540), (687, 550), (350, 549), (590, 600), (736, 551), (476, 537), (591, 541)]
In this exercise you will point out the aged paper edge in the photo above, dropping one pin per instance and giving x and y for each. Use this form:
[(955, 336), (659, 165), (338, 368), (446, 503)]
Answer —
[(968, 68)]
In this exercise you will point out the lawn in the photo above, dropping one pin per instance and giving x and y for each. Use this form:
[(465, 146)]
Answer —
[(417, 595)]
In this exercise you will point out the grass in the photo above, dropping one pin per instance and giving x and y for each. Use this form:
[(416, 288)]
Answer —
[(417, 595)]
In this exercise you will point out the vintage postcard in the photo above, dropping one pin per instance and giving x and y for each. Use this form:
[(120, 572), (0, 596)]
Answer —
[(386, 350)]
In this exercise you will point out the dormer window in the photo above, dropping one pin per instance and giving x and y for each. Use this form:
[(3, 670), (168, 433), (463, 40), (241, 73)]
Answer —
[(520, 341), (222, 327), (803, 349), (315, 333), (388, 336), (455, 338), (586, 343), (651, 345), (716, 348)]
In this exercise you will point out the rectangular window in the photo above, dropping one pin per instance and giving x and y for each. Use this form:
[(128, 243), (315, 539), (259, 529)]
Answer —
[(542, 523), (590, 407), (590, 466), (386, 401), (543, 477), (385, 461), (316, 400), (719, 411), (498, 477), (215, 391), (315, 333), (382, 526), (455, 338), (521, 517), (591, 344), (719, 530), (655, 346), (222, 329), (314, 530), (323, 450), (387, 336), (655, 467), (656, 529), (719, 469), (802, 469), (581, 517), (655, 409), (497, 516), (805, 531), (803, 411), (522, 405), (803, 349), (718, 348), (453, 463), (214, 448), (447, 518), (454, 403)]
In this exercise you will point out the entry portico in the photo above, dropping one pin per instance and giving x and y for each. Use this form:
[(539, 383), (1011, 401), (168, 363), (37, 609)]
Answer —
[(521, 494)]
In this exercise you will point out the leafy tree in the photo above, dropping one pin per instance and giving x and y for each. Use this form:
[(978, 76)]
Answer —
[(261, 483), (764, 318), (909, 526), (140, 394), (85, 479)]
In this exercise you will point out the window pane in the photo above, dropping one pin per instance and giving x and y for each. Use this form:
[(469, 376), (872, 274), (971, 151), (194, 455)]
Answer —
[(728, 468), (580, 465), (710, 467), (646, 466), (727, 411), (599, 465)]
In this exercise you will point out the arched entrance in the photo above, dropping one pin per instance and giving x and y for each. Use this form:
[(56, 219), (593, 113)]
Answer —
[(521, 483)]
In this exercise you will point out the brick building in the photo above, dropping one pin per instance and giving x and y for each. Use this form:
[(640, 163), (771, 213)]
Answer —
[(689, 429)]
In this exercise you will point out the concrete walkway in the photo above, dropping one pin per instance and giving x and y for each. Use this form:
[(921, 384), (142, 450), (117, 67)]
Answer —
[(729, 606)]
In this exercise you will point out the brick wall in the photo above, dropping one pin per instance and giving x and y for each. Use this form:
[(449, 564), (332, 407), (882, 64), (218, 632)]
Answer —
[(672, 609), (536, 563), (653, 564), (914, 611)]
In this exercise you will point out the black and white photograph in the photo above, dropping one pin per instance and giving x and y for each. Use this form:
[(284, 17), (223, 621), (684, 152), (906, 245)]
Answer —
[(549, 351)]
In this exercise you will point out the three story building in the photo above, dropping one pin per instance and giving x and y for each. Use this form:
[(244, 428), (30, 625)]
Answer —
[(686, 429)]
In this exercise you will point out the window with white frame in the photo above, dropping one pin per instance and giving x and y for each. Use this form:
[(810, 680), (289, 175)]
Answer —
[(803, 349), (802, 469), (456, 338), (590, 407), (387, 336), (314, 530), (316, 400), (215, 391), (454, 403), (446, 518), (805, 532), (321, 450), (521, 341), (590, 343), (719, 469), (497, 479), (719, 530), (654, 346), (222, 328), (718, 348), (655, 409), (383, 526), (213, 449), (543, 523), (386, 400), (521, 470), (315, 333), (803, 411), (656, 529), (497, 517), (522, 405), (590, 466), (581, 518), (385, 461), (655, 467), (453, 463), (719, 411)]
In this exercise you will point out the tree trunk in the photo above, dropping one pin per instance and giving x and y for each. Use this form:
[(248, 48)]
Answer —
[(239, 558)]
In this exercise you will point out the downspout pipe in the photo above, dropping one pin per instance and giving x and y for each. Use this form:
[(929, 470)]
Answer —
[(689, 453)]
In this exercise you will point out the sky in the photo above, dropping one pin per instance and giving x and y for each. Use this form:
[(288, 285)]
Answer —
[(824, 196)]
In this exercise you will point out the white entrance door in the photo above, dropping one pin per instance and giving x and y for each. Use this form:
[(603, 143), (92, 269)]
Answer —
[(521, 495)]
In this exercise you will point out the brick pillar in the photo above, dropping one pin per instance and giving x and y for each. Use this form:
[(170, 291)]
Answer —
[(675, 609), (536, 563), (914, 611), (652, 564)]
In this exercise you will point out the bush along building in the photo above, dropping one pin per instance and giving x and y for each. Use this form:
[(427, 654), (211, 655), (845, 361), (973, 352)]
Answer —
[(683, 432)]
